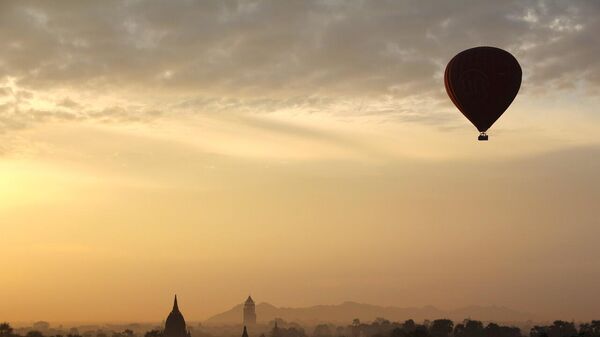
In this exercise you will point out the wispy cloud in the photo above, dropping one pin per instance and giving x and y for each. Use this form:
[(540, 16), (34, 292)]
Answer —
[(265, 55)]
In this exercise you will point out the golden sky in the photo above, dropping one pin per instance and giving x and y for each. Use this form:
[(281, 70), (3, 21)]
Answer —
[(301, 151)]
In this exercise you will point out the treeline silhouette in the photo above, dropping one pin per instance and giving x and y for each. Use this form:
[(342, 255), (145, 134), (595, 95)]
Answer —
[(380, 327), (470, 328), (7, 331)]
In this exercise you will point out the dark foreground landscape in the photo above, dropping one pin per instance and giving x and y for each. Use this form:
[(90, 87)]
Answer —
[(380, 327)]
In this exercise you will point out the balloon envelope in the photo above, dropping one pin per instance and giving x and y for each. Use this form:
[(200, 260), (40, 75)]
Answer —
[(482, 82)]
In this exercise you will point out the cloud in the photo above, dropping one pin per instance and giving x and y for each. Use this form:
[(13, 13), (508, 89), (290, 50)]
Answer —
[(268, 55), (23, 109), (5, 91)]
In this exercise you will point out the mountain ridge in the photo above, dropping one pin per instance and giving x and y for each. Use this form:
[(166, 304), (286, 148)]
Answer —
[(346, 311)]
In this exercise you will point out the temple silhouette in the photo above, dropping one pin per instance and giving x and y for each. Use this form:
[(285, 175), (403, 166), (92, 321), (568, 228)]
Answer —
[(175, 324), (249, 312)]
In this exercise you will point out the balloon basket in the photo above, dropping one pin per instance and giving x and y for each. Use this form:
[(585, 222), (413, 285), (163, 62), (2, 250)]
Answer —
[(482, 137)]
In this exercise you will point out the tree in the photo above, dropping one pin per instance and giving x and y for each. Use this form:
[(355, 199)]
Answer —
[(538, 331), (595, 327), (398, 332), (34, 333), (153, 333), (409, 326), (294, 332), (441, 328), (322, 330), (562, 329), (421, 331), (5, 330), (495, 330), (381, 321), (469, 328), (41, 326), (355, 327)]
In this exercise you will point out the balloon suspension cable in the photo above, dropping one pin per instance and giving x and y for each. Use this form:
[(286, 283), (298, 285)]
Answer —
[(482, 136)]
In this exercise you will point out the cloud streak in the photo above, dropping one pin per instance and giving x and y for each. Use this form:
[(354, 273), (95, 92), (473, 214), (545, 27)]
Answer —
[(136, 61)]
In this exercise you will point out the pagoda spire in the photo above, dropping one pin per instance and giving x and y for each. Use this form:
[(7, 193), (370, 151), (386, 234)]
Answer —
[(175, 306)]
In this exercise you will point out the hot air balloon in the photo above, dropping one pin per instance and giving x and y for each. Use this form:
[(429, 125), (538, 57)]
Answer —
[(482, 82)]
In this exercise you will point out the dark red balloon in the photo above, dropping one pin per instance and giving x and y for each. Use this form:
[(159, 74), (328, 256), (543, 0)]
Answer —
[(482, 82)]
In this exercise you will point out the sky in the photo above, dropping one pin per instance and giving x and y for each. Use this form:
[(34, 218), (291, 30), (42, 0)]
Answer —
[(304, 152)]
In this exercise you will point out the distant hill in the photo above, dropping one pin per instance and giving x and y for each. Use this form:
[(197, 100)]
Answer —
[(347, 311)]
